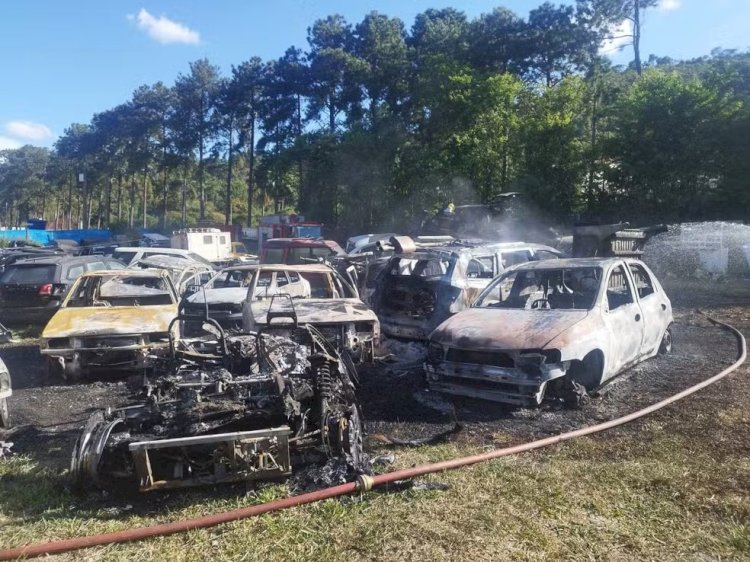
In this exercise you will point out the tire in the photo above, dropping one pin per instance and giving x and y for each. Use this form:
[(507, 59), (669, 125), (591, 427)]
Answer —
[(574, 395), (4, 413), (588, 372), (53, 369), (665, 347)]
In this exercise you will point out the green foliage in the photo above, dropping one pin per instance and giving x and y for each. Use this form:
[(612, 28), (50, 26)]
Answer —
[(374, 124)]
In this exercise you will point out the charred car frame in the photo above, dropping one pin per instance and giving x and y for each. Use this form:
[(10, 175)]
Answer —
[(110, 321), (568, 325), (417, 290), (239, 408)]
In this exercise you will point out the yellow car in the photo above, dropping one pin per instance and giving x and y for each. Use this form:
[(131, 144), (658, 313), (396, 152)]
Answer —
[(110, 321)]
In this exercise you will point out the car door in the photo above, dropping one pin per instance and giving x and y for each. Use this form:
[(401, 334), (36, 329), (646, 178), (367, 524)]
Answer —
[(624, 319), (262, 281), (653, 307), (191, 281), (293, 284), (479, 272)]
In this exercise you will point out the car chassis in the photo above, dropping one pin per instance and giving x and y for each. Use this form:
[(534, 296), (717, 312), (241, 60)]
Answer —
[(238, 408)]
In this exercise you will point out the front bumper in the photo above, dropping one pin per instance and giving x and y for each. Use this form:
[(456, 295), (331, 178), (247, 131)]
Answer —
[(79, 359), (488, 382)]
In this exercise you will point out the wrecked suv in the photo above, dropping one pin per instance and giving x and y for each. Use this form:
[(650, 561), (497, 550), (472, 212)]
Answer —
[(110, 320), (565, 326), (416, 291)]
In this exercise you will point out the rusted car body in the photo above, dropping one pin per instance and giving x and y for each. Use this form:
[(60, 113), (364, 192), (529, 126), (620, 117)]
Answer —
[(315, 294), (110, 321), (416, 291), (567, 325), (245, 407)]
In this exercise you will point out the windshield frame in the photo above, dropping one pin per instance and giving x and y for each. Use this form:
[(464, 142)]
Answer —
[(516, 270), (164, 277)]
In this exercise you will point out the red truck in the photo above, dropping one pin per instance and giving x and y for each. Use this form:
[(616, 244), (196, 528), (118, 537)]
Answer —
[(298, 250)]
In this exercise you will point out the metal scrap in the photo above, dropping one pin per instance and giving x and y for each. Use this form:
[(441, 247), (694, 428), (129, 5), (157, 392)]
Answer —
[(241, 408)]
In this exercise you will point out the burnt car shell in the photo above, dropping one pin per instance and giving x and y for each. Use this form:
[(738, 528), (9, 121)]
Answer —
[(86, 334), (332, 306), (513, 355), (242, 408), (6, 391), (416, 291)]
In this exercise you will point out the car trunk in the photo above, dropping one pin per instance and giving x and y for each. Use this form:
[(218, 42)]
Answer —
[(24, 286)]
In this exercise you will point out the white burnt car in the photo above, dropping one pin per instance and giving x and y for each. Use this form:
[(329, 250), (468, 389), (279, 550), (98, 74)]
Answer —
[(565, 326)]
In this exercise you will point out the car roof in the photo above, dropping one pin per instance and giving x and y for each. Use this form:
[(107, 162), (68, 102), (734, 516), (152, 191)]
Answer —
[(573, 262), (55, 260), (166, 260), (127, 273), (490, 247), (301, 242), (302, 268), (151, 249)]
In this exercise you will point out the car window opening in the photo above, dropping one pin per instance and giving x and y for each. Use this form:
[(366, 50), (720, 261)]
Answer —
[(544, 289)]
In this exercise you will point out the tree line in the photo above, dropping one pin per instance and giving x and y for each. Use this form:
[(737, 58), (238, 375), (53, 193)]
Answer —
[(372, 124)]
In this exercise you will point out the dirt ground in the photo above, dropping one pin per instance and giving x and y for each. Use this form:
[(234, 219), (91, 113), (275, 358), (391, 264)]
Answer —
[(48, 413)]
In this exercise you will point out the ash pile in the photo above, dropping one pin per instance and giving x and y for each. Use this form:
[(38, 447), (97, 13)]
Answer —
[(238, 408)]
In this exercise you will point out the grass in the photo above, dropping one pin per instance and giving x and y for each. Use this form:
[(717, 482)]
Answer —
[(648, 492), (674, 486)]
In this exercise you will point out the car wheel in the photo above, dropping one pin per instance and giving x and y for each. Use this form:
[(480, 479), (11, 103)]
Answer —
[(574, 395), (588, 372), (53, 369), (4, 413), (665, 347)]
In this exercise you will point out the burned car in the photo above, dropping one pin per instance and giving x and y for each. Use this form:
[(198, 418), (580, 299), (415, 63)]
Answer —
[(110, 320), (565, 326), (5, 392), (187, 275), (417, 290), (241, 408), (313, 294)]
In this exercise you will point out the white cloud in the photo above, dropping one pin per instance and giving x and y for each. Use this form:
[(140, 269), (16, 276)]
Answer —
[(669, 5), (620, 36), (27, 130), (164, 30), (7, 143)]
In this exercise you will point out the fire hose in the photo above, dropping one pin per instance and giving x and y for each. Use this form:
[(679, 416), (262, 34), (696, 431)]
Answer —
[(363, 483)]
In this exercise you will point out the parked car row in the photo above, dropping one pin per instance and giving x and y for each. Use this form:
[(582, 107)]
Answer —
[(511, 322)]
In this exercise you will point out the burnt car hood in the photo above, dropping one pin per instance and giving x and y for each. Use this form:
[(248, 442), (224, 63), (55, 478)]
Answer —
[(317, 311), (494, 329), (224, 295), (96, 321)]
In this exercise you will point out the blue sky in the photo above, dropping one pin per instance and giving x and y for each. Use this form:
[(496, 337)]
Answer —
[(64, 61)]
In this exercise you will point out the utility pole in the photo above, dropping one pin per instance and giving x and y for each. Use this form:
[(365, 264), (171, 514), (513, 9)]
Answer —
[(84, 216)]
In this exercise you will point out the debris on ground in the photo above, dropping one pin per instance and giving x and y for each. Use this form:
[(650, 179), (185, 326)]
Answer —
[(437, 438), (5, 449), (383, 460)]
